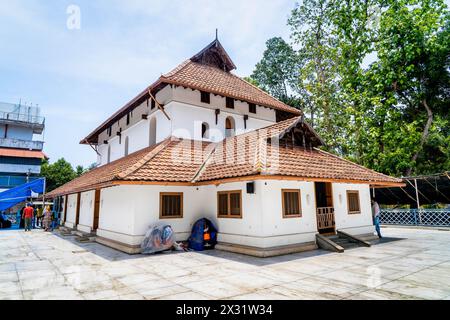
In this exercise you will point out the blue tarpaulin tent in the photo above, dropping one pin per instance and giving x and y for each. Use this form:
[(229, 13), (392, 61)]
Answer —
[(13, 196)]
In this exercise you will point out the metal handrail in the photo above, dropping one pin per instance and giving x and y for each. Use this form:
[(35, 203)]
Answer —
[(22, 117)]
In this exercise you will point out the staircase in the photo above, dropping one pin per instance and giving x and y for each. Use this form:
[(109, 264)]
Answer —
[(65, 232), (340, 242), (86, 237), (79, 235), (345, 243)]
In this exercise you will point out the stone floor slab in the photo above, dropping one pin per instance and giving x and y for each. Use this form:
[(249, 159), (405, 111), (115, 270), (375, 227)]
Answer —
[(39, 265)]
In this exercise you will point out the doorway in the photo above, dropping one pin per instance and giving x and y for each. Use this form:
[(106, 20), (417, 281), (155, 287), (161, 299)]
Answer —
[(66, 199), (325, 210), (77, 216), (96, 210)]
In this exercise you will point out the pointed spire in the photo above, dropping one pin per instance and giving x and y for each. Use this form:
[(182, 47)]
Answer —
[(215, 55)]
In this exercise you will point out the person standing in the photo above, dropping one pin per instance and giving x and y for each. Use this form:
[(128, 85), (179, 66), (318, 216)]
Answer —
[(22, 219), (376, 216), (47, 218), (28, 213), (40, 215)]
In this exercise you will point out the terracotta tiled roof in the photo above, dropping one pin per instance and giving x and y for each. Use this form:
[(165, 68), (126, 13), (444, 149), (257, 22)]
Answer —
[(195, 74), (172, 160), (188, 161), (105, 174), (251, 154), (22, 153), (179, 161), (211, 79)]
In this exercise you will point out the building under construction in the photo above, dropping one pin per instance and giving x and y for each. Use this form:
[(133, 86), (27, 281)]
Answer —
[(20, 146)]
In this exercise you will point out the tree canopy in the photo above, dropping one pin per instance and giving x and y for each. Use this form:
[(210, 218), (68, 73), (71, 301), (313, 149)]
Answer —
[(373, 78), (60, 172)]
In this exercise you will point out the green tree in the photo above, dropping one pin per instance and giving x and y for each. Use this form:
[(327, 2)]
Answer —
[(412, 82), (276, 72), (391, 115), (311, 28), (354, 31), (57, 173)]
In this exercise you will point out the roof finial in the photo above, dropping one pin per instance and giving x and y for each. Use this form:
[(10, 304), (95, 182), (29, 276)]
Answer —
[(217, 34)]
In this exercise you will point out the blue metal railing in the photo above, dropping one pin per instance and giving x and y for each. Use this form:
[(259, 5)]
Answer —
[(416, 217)]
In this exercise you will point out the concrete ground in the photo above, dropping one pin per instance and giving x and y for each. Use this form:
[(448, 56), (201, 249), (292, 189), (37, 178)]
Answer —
[(408, 264)]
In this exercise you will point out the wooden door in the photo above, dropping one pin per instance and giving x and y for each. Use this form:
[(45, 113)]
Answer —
[(96, 209), (66, 198), (77, 216), (324, 207)]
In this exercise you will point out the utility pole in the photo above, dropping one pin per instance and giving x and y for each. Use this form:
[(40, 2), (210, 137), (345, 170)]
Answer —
[(417, 201)]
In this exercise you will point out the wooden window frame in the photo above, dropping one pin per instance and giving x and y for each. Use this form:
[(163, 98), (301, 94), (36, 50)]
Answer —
[(229, 215), (288, 216), (229, 102), (348, 202), (161, 194), (205, 97), (252, 108)]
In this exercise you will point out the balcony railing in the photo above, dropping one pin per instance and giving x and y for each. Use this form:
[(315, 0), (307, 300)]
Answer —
[(22, 117), (325, 218), (14, 181), (21, 144)]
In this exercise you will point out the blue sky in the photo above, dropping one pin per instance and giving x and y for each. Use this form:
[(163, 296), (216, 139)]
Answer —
[(81, 76)]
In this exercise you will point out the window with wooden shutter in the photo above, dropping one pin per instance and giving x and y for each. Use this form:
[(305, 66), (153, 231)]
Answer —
[(353, 202), (229, 204), (205, 97), (230, 103), (171, 205), (252, 108), (291, 202)]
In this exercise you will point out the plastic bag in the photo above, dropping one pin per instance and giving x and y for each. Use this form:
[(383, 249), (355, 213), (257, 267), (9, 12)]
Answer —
[(158, 238)]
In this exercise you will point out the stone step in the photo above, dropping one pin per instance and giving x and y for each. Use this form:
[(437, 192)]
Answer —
[(77, 233), (67, 234), (85, 239)]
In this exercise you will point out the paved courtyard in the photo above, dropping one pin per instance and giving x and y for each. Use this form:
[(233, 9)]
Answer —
[(410, 264)]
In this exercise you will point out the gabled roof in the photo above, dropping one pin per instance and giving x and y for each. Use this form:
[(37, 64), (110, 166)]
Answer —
[(215, 55), (248, 155), (203, 77), (208, 70)]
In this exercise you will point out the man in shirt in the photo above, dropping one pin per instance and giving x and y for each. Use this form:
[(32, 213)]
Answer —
[(376, 217), (28, 213)]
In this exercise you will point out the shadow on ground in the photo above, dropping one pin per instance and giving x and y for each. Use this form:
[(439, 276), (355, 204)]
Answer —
[(111, 254)]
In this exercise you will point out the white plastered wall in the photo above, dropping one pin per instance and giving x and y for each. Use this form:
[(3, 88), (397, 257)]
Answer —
[(186, 114), (86, 220), (280, 231), (71, 210), (127, 211), (355, 224)]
